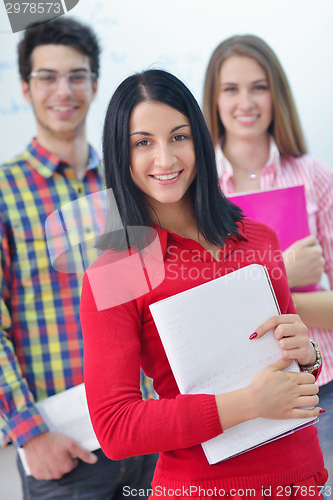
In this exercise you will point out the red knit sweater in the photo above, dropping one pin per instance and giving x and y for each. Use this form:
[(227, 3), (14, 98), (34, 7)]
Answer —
[(118, 340)]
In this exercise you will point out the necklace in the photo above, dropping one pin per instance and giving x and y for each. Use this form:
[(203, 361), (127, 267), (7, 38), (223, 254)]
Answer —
[(253, 176)]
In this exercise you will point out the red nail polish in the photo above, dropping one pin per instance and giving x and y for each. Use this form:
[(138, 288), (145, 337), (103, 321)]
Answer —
[(253, 336), (322, 411)]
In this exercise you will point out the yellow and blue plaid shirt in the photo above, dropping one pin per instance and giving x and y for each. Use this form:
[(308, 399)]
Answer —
[(41, 348)]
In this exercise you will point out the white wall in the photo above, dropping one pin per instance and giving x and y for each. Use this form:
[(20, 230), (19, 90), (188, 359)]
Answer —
[(180, 35)]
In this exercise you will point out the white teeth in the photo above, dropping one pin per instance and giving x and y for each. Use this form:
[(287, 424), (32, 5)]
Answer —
[(166, 177), (62, 108), (246, 118)]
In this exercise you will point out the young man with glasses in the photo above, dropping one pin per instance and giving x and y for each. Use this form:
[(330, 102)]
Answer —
[(40, 334)]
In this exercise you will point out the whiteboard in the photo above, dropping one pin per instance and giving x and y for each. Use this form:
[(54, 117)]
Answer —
[(180, 36)]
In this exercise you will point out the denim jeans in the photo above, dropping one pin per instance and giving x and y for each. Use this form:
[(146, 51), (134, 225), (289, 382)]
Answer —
[(104, 480), (325, 430)]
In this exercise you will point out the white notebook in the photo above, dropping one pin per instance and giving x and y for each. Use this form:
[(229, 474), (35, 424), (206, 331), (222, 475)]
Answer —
[(67, 412), (205, 333)]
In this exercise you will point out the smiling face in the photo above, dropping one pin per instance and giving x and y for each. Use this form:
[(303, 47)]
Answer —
[(163, 164), (60, 113), (245, 102)]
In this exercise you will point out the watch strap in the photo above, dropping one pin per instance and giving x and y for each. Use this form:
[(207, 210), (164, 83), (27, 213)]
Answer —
[(316, 365)]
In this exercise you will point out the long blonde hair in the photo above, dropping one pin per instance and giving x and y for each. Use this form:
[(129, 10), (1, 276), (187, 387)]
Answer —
[(285, 126)]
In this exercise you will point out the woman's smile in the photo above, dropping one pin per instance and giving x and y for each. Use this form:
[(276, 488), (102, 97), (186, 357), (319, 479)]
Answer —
[(163, 163), (167, 178)]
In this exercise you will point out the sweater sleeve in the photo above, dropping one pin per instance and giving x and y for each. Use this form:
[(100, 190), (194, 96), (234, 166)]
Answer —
[(124, 424), (323, 185)]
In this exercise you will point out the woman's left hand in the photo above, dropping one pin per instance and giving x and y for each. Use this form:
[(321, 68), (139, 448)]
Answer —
[(292, 335)]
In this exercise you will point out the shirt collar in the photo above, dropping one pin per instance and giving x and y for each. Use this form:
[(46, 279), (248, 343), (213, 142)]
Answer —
[(165, 237), (46, 163), (225, 169)]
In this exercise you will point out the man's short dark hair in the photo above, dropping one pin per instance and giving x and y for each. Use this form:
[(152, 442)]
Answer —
[(61, 31)]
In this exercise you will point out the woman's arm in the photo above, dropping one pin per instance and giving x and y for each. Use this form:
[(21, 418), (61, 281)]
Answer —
[(273, 394), (304, 262), (125, 425), (315, 308), (304, 266)]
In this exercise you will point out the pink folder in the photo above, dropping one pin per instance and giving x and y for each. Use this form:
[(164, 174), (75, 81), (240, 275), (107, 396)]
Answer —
[(283, 209)]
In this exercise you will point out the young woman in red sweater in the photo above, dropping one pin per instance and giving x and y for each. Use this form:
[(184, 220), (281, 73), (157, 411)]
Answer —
[(160, 166)]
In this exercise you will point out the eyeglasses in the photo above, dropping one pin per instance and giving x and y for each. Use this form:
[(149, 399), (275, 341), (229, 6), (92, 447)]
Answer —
[(77, 80)]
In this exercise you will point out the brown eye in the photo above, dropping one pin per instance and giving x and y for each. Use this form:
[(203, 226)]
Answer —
[(180, 137), (143, 142)]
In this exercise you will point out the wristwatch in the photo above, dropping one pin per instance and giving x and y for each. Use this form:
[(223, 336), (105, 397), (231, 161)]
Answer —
[(313, 368)]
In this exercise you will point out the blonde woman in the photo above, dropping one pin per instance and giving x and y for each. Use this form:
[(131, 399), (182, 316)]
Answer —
[(259, 144)]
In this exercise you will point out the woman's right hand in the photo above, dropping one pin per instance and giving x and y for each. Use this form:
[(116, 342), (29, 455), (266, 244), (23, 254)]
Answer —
[(304, 262), (272, 393), (281, 394)]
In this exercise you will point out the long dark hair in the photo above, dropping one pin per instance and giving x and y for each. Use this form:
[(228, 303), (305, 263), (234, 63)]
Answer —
[(216, 218)]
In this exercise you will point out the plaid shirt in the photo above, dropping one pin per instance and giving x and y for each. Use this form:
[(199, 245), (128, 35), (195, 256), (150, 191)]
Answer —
[(41, 349)]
